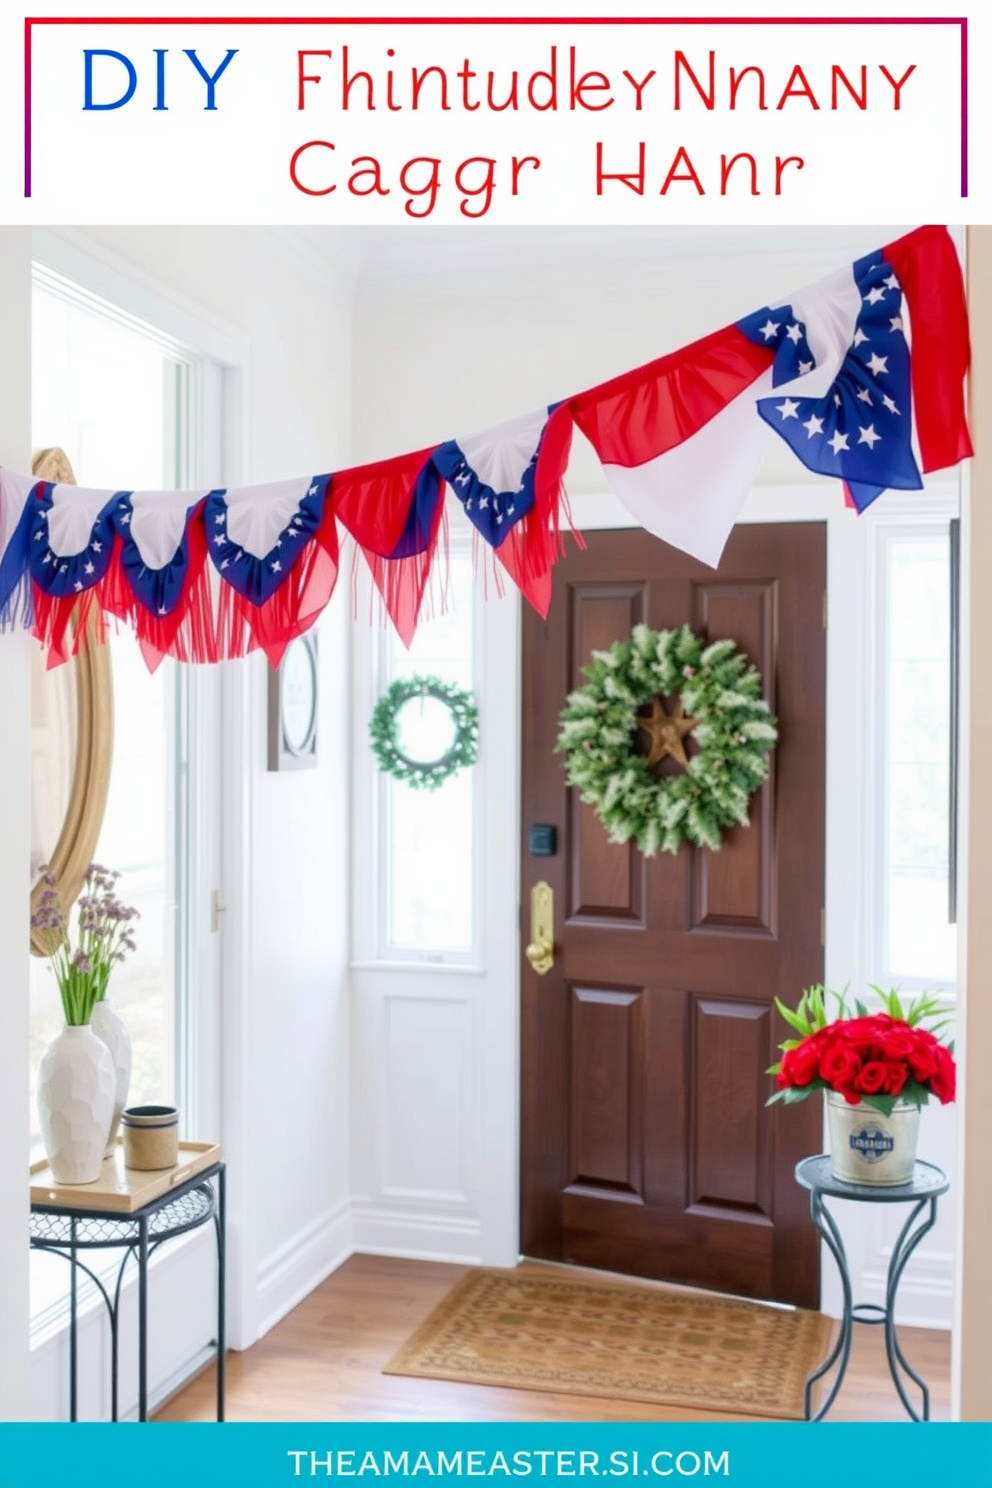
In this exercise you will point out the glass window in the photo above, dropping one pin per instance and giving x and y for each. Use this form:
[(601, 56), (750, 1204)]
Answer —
[(426, 835), (918, 943), (112, 395)]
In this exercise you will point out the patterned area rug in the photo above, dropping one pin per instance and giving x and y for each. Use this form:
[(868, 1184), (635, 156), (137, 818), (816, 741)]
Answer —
[(626, 1342)]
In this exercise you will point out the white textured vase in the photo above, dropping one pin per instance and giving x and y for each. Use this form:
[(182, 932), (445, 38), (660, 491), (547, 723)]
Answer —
[(76, 1087), (869, 1148), (109, 1026)]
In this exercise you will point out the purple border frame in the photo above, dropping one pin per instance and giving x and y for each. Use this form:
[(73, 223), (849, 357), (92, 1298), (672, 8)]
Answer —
[(31, 21)]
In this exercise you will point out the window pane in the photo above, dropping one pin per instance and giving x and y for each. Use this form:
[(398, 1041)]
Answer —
[(428, 834), (136, 840), (137, 837), (100, 390), (106, 392), (919, 943)]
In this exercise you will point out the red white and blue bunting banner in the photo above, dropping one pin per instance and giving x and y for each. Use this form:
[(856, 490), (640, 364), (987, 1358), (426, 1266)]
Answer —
[(861, 374)]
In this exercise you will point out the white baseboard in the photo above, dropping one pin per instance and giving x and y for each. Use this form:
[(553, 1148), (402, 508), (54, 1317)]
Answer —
[(925, 1298), (290, 1273), (417, 1235)]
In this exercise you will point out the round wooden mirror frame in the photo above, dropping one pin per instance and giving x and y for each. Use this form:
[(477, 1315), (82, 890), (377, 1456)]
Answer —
[(90, 781)]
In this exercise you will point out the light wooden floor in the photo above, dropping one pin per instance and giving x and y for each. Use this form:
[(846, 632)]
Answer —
[(324, 1360)]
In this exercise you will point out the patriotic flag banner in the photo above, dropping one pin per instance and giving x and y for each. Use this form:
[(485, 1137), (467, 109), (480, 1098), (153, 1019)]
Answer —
[(861, 374), (158, 582), (682, 438), (886, 398), (510, 483), (68, 535), (493, 473), (275, 550), (394, 510), (866, 401), (140, 556)]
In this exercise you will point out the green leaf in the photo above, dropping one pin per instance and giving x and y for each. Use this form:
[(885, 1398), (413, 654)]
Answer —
[(794, 1020)]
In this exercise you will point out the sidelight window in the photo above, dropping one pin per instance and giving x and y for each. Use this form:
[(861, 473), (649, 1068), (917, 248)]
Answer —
[(426, 910), (915, 936)]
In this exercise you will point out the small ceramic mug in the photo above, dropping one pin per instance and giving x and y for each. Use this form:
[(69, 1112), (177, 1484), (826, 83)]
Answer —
[(151, 1136)]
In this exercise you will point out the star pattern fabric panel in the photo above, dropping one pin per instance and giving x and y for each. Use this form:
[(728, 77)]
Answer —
[(895, 366), (159, 584), (493, 473), (275, 548), (72, 538), (859, 429), (509, 480)]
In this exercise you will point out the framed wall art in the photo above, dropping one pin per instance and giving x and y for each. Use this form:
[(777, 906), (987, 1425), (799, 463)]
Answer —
[(294, 696)]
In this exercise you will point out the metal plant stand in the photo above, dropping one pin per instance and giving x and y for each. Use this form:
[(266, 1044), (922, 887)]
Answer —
[(923, 1191), (70, 1230)]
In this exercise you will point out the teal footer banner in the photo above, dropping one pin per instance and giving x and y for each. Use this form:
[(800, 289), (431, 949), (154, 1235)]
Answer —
[(758, 1455)]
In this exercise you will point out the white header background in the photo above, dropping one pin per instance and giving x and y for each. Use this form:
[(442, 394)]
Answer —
[(142, 164)]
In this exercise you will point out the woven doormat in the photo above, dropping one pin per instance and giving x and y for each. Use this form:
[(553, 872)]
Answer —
[(625, 1342)]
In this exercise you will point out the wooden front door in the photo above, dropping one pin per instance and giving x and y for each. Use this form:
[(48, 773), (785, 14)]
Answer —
[(647, 1147)]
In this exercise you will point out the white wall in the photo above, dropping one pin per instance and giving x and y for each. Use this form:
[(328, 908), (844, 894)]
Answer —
[(15, 852), (443, 354), (285, 1068), (973, 1375)]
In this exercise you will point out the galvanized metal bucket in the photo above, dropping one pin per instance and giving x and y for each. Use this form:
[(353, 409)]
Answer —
[(867, 1147)]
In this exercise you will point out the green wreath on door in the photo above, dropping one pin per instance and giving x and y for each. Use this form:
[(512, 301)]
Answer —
[(718, 713)]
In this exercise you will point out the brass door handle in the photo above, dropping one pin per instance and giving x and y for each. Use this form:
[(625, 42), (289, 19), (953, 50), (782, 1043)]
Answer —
[(541, 950), (541, 955)]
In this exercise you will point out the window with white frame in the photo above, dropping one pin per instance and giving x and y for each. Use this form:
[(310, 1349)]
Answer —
[(425, 837), (130, 406), (915, 941)]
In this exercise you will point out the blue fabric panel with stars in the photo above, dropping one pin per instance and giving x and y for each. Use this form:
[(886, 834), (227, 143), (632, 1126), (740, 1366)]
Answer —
[(492, 513), (257, 579), (781, 332), (861, 429), (159, 590), (65, 575)]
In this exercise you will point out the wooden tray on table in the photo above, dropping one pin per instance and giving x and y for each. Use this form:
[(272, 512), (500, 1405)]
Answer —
[(121, 1190)]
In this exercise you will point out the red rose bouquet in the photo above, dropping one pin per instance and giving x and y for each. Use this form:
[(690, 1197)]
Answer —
[(875, 1057)]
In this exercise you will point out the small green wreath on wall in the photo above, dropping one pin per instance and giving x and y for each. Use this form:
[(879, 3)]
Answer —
[(423, 730)]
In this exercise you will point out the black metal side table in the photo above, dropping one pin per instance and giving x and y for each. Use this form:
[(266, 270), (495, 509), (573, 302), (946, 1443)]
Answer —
[(923, 1191), (67, 1230)]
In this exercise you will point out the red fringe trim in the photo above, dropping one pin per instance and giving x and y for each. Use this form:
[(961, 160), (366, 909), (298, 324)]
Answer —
[(188, 632), (535, 544), (213, 622), (373, 503), (64, 626), (291, 610)]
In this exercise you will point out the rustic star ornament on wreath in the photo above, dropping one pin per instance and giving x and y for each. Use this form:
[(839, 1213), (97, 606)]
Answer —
[(667, 731)]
